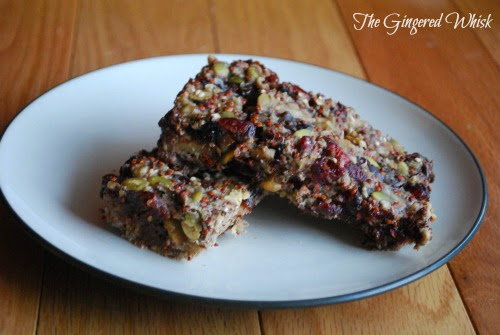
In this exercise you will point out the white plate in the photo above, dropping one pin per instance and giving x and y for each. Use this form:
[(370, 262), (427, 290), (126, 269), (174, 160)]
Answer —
[(53, 154)]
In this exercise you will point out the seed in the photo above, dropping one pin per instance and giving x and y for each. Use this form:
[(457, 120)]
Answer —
[(235, 80), (196, 197), (191, 227), (221, 69), (199, 96), (403, 168), (398, 147), (227, 115), (254, 72), (373, 162), (156, 180), (135, 184)]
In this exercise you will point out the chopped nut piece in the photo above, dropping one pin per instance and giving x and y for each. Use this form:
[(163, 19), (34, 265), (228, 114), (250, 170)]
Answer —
[(263, 101), (174, 230), (266, 153), (139, 170), (271, 186), (238, 195), (303, 132), (381, 196), (199, 95)]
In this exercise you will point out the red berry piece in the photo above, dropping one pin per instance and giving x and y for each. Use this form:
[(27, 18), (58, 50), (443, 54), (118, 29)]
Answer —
[(326, 171), (420, 191), (333, 149), (305, 144), (240, 130)]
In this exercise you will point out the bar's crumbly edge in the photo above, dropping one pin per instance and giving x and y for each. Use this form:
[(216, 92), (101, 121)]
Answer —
[(160, 207)]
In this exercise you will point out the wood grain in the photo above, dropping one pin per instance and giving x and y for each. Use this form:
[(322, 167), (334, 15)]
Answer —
[(21, 266), (489, 37), (429, 306), (451, 74), (111, 32), (422, 299), (35, 46), (74, 302), (287, 29)]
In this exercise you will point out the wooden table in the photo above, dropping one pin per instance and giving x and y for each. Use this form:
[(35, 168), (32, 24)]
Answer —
[(452, 73)]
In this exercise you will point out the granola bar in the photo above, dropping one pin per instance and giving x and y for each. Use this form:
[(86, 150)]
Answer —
[(310, 149), (163, 209)]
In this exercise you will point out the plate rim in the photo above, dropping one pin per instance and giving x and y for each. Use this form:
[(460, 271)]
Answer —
[(255, 304)]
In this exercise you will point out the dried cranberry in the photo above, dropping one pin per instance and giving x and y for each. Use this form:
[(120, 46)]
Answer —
[(356, 172), (272, 79), (305, 143), (240, 130), (420, 191), (159, 204), (334, 150), (325, 171), (291, 89)]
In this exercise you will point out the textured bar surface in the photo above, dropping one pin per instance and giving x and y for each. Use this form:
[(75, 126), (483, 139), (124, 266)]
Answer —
[(176, 215), (317, 152)]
